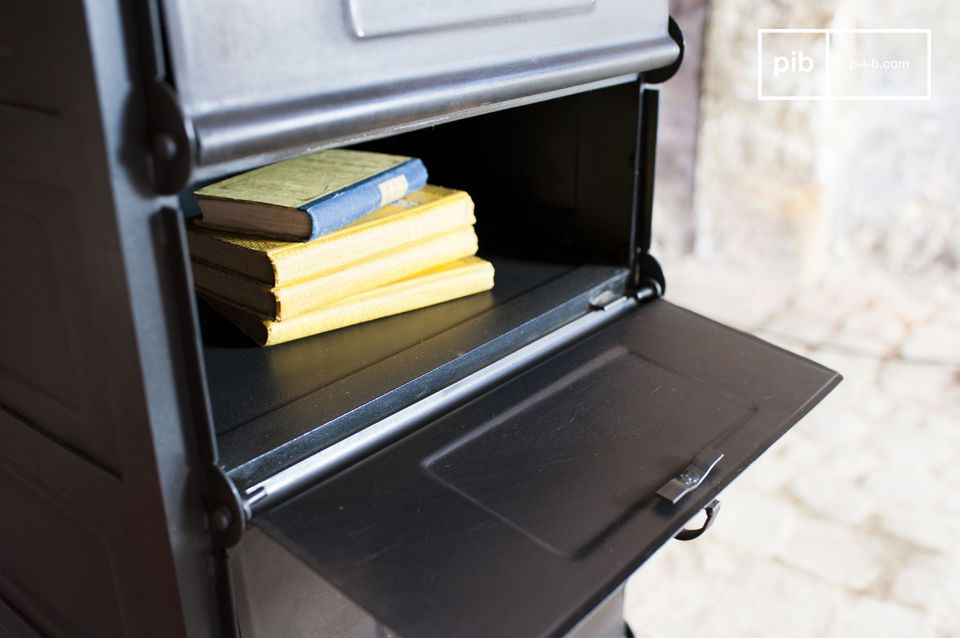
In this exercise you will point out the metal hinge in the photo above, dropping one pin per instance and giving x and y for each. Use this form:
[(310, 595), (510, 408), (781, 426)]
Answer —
[(649, 290)]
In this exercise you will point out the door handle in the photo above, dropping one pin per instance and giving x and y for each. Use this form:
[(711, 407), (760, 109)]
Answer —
[(711, 510)]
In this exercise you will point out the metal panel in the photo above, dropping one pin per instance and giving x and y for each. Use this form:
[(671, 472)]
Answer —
[(278, 596), (103, 528), (14, 625), (518, 513), (60, 563), (264, 80)]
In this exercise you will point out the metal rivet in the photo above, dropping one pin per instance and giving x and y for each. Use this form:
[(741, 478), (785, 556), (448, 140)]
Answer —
[(221, 518), (164, 146)]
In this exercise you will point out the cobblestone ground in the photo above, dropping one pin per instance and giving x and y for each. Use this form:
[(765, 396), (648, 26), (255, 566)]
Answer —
[(850, 525)]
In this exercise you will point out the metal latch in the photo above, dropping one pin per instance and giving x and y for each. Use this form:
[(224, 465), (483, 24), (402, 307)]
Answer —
[(604, 299), (691, 478)]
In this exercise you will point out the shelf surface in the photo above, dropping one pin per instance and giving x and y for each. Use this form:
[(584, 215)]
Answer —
[(272, 406)]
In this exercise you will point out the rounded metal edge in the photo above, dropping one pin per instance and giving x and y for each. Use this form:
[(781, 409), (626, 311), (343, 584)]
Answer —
[(663, 74)]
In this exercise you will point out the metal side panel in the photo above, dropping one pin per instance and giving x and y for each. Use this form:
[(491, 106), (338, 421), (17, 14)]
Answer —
[(279, 595), (519, 512), (263, 80), (101, 522)]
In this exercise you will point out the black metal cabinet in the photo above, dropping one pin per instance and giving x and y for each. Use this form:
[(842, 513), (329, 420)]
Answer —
[(496, 465)]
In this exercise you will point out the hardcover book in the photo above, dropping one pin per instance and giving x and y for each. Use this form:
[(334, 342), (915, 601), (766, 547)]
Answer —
[(284, 302), (431, 211), (459, 278), (306, 197)]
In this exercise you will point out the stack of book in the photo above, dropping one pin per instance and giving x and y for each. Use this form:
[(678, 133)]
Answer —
[(329, 240)]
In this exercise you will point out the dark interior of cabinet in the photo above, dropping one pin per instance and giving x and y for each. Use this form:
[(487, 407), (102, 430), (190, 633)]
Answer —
[(554, 187)]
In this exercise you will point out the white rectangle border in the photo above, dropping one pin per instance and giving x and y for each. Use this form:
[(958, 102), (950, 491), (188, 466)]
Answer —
[(842, 98)]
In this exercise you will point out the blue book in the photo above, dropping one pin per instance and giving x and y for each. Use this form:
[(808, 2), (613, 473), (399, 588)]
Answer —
[(307, 197)]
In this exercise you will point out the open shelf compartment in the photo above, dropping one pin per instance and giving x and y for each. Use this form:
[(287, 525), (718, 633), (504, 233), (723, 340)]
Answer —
[(555, 186)]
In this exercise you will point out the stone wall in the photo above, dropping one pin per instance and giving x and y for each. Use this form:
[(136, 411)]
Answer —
[(806, 187), (679, 128)]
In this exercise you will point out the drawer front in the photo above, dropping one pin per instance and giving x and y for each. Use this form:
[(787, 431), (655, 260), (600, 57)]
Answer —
[(261, 80), (517, 513)]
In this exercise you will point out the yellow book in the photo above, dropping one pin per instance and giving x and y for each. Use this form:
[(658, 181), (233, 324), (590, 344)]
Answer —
[(303, 296), (430, 211), (450, 281)]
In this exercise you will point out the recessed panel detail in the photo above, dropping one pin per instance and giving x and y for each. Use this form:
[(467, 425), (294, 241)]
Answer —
[(568, 463), (371, 18)]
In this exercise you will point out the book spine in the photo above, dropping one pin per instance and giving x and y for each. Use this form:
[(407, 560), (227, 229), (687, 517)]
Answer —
[(384, 269), (336, 210), (244, 290), (391, 301)]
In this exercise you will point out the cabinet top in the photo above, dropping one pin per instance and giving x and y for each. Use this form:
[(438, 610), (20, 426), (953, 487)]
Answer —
[(257, 81)]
